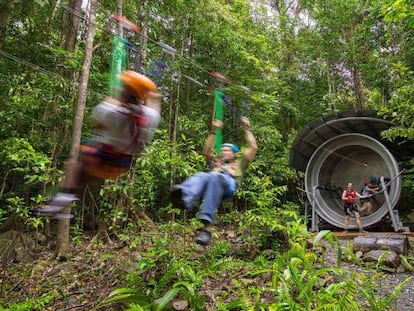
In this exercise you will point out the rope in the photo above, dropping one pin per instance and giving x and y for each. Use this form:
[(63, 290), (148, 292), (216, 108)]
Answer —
[(38, 68)]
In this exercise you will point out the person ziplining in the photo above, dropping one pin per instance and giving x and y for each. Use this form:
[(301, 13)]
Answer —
[(122, 127), (224, 174), (124, 123)]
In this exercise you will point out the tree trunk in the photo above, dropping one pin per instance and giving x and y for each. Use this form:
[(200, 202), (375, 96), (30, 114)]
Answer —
[(4, 17), (358, 88), (119, 12), (64, 224), (72, 25), (140, 54)]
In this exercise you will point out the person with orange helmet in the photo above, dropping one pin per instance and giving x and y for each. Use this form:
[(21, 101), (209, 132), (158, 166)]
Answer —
[(123, 126)]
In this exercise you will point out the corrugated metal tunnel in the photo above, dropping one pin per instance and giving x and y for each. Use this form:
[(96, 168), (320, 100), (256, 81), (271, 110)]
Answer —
[(349, 158), (341, 148)]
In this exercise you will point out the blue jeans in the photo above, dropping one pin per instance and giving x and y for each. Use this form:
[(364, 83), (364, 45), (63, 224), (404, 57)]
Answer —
[(212, 188)]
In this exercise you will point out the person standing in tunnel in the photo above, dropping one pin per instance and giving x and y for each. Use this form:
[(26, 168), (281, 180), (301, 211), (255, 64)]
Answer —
[(349, 196), (364, 192), (368, 203)]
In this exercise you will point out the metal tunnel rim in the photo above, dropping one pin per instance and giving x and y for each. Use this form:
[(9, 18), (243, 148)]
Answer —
[(326, 150)]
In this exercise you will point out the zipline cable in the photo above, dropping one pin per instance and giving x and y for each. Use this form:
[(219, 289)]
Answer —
[(36, 67), (41, 69), (164, 47), (161, 45), (31, 65)]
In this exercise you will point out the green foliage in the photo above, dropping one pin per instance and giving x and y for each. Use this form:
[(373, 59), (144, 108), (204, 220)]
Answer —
[(269, 228), (126, 295), (18, 157), (369, 289), (400, 109), (144, 186), (300, 284), (344, 54), (333, 242), (23, 171), (175, 275), (34, 304)]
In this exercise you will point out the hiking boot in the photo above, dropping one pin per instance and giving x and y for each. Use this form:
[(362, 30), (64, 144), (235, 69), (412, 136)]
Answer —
[(176, 197), (203, 237)]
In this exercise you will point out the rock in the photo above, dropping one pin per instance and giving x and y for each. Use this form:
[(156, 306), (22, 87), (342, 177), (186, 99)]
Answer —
[(41, 238), (131, 266), (180, 305), (40, 267), (388, 258), (15, 246), (359, 254), (20, 254)]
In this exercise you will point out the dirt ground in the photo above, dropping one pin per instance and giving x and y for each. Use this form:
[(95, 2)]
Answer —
[(92, 273)]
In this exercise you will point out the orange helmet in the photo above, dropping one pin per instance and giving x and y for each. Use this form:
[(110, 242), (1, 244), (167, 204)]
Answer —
[(137, 84)]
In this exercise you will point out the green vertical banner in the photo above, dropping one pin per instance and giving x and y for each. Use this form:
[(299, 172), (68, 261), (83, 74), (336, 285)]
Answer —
[(218, 115), (118, 65)]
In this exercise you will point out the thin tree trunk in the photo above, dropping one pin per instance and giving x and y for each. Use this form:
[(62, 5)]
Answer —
[(62, 246), (143, 38), (4, 17), (358, 88), (58, 2), (72, 26), (119, 11)]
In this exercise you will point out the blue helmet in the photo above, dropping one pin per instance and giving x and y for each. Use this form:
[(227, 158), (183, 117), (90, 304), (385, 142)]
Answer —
[(233, 147)]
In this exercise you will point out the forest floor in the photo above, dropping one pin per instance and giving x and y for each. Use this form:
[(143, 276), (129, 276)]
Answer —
[(94, 270)]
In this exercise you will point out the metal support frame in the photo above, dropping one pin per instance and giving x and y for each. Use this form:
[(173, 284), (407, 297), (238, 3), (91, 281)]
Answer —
[(314, 226), (395, 217)]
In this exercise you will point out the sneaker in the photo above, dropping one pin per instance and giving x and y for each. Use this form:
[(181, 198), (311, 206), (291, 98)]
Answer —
[(176, 197), (203, 237), (38, 213), (62, 216), (64, 198), (57, 204)]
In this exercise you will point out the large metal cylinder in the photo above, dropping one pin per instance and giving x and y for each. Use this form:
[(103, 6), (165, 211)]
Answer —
[(350, 157)]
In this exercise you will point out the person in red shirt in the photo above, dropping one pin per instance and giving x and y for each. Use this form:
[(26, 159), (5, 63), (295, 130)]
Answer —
[(349, 196)]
